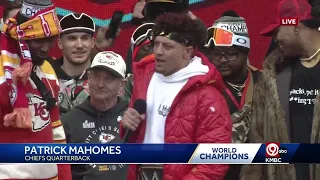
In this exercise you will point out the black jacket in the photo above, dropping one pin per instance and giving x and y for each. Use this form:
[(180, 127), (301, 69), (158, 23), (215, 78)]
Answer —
[(85, 124)]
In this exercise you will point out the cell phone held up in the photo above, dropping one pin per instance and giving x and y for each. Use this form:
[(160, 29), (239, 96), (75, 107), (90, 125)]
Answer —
[(114, 24)]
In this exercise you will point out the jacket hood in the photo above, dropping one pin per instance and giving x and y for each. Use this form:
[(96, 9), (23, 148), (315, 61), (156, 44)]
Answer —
[(194, 68), (93, 112), (275, 62), (56, 64), (212, 77)]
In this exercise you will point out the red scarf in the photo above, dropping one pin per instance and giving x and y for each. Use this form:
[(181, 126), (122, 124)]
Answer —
[(17, 63)]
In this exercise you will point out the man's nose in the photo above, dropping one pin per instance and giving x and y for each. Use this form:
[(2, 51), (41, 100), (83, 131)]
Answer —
[(79, 43), (158, 50), (223, 59), (101, 83), (46, 46)]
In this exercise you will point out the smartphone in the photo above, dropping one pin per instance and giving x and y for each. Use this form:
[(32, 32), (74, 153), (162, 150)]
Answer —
[(114, 24)]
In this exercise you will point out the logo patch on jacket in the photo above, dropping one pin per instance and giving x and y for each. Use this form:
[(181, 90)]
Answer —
[(41, 116), (105, 138), (88, 124), (119, 118)]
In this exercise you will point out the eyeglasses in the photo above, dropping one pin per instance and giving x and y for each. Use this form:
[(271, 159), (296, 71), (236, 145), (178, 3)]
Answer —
[(142, 33), (216, 55), (222, 37)]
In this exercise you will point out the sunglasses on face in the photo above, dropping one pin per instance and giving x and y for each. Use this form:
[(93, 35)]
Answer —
[(222, 37), (142, 33), (231, 55)]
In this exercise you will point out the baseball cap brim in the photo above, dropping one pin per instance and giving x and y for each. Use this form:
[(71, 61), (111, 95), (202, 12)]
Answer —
[(113, 72), (268, 31), (79, 29)]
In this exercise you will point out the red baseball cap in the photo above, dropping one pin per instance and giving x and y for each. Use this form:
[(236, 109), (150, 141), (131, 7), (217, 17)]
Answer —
[(299, 9)]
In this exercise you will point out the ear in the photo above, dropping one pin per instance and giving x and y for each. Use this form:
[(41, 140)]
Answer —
[(93, 42), (123, 83), (296, 30), (88, 74), (188, 52), (60, 43)]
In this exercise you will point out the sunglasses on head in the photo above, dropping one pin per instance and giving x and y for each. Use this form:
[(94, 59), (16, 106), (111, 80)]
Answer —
[(142, 33), (222, 37)]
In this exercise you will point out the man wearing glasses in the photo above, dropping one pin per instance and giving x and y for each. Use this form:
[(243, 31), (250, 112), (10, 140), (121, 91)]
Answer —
[(227, 47)]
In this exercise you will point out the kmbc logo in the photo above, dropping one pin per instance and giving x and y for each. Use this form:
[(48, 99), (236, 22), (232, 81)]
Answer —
[(274, 151)]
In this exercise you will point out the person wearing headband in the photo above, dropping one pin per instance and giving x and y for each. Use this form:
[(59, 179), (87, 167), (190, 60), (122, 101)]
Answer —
[(287, 94), (29, 87), (182, 90), (141, 46), (228, 47), (146, 11)]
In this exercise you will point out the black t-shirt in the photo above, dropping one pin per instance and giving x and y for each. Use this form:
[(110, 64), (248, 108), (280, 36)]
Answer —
[(304, 88)]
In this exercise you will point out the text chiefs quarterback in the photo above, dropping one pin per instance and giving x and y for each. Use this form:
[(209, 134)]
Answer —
[(85, 124)]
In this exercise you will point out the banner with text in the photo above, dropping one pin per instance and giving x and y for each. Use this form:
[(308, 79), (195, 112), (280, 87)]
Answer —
[(268, 153)]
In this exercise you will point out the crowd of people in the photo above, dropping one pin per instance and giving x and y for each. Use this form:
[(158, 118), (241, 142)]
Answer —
[(196, 81)]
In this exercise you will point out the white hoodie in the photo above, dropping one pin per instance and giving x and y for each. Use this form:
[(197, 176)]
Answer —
[(161, 92)]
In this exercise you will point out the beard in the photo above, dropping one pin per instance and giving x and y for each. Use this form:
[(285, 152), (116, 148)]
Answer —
[(38, 61)]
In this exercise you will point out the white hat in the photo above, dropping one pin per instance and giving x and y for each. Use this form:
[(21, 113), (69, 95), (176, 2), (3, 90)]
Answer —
[(110, 60)]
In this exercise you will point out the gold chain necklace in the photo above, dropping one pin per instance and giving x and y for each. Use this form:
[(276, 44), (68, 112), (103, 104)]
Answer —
[(236, 87), (311, 57)]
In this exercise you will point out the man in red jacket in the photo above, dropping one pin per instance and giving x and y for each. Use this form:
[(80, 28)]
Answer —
[(184, 104)]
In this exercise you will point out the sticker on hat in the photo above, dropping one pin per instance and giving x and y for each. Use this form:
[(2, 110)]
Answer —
[(235, 27)]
